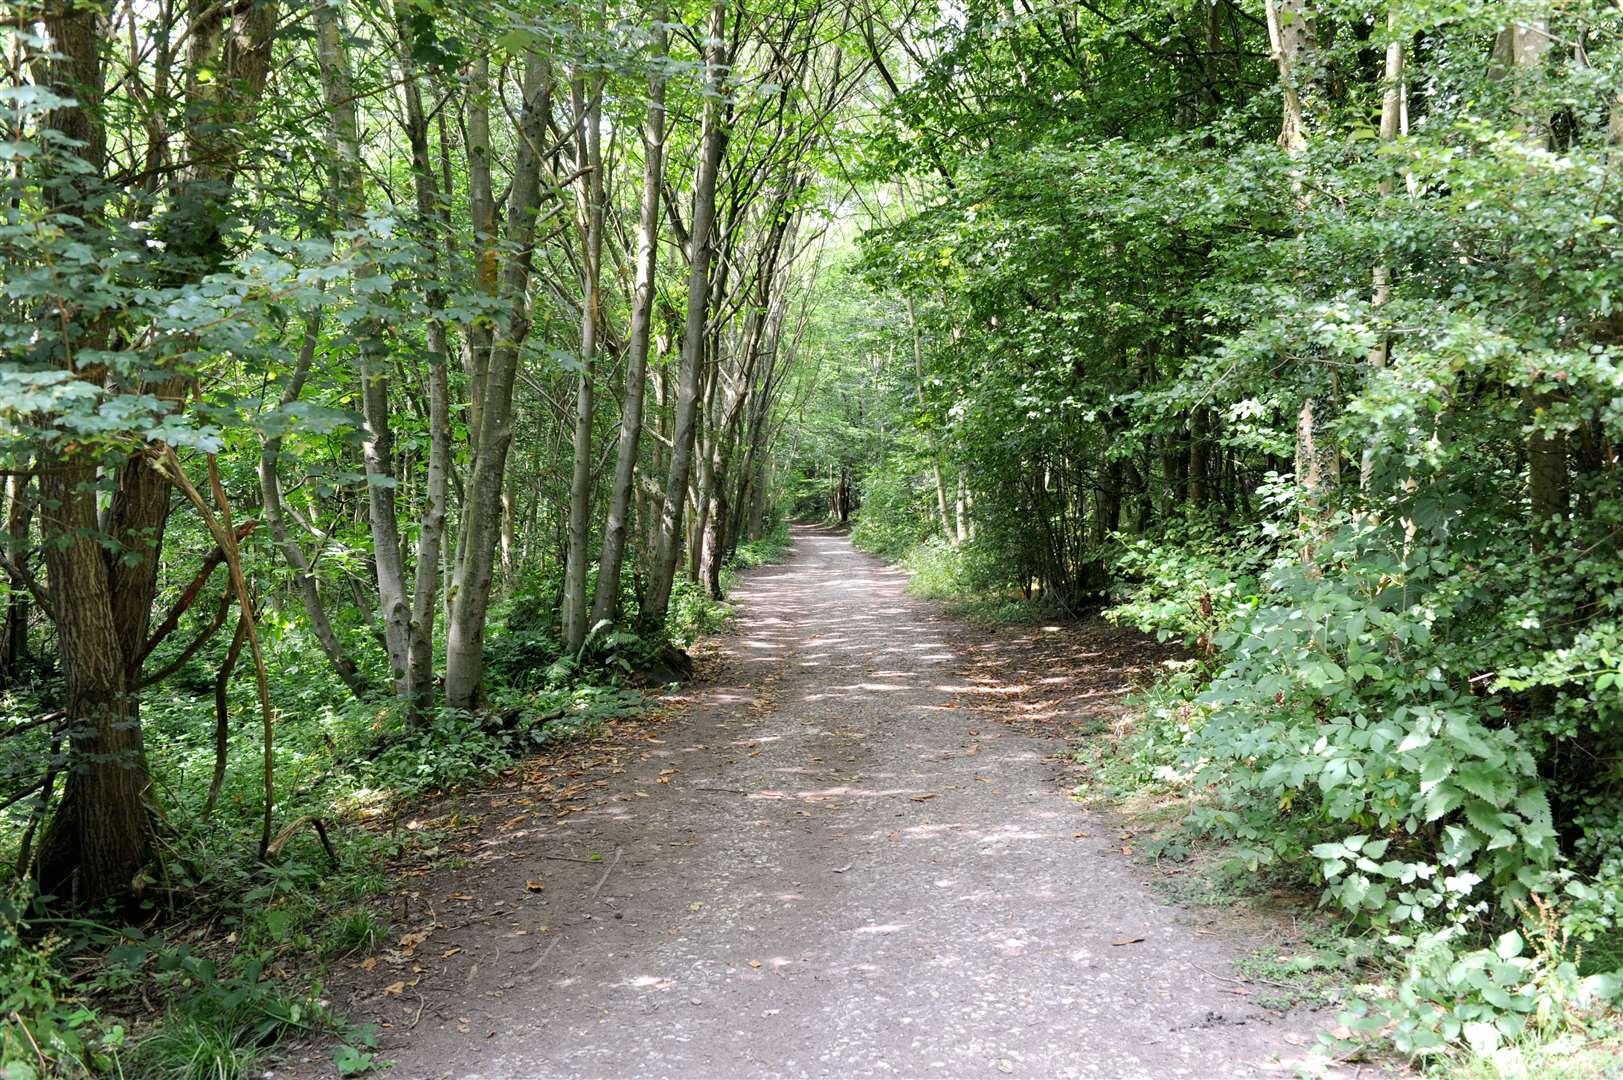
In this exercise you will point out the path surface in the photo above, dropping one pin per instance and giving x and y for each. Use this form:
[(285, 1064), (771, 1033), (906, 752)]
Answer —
[(828, 869)]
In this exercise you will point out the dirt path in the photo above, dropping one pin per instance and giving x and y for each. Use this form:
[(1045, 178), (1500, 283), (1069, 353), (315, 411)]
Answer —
[(827, 869)]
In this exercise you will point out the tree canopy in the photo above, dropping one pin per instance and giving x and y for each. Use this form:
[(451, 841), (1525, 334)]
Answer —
[(430, 361)]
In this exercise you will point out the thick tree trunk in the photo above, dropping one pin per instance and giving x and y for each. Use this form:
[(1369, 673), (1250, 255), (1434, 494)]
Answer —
[(606, 601), (102, 605), (98, 839)]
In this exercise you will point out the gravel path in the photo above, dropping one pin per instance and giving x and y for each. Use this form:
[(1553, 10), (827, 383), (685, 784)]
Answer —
[(827, 869)]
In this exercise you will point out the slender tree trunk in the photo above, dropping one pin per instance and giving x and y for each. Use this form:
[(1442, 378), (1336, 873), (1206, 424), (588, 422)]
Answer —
[(477, 340), (605, 602), (465, 635), (270, 495), (588, 156), (14, 640), (377, 448), (663, 572), (433, 215), (935, 453), (1318, 460), (1520, 51), (1381, 278)]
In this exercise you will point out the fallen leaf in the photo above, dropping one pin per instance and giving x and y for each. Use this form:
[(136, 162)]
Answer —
[(924, 798), (395, 988), (534, 886), (460, 896), (369, 963), (1127, 941), (448, 953), (755, 963), (842, 869), (695, 906)]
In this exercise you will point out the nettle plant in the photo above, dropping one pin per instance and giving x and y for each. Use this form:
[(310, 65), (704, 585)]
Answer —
[(1332, 713)]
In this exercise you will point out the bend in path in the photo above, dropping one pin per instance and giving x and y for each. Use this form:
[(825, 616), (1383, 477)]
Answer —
[(826, 870)]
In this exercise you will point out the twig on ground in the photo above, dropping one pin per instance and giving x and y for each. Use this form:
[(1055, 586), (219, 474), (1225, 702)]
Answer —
[(612, 864)]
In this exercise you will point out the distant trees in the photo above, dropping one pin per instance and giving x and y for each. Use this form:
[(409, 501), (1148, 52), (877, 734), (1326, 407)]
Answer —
[(258, 237), (1343, 417)]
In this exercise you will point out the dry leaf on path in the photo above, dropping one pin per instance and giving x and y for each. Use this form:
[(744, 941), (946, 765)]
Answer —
[(534, 886), (1127, 941)]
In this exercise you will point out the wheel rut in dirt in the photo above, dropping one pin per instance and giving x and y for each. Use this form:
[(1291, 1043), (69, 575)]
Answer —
[(825, 867)]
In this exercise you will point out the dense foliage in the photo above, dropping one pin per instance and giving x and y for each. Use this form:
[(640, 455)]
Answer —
[(1290, 330), (403, 376), (386, 388)]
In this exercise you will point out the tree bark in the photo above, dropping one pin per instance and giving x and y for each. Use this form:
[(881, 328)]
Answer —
[(433, 216), (270, 494), (935, 454), (588, 157), (377, 448), (470, 599), (14, 638), (1381, 277), (612, 554), (99, 836), (663, 572)]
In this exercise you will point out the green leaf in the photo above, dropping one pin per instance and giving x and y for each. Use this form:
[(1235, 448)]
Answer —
[(1487, 782)]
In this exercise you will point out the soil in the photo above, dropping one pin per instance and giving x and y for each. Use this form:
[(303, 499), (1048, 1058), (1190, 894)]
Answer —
[(848, 851)]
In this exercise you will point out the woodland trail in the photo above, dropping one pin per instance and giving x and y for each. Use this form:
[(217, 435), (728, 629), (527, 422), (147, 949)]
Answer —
[(826, 869)]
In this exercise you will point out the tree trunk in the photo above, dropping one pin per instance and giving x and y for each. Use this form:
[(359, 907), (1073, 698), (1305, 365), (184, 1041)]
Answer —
[(695, 332), (1381, 277), (935, 454), (588, 156), (99, 838), (1520, 50), (14, 638), (433, 214), (377, 448), (465, 635), (270, 494), (605, 604), (102, 605)]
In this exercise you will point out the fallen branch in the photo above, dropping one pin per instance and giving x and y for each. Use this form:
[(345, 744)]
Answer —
[(274, 848), (225, 536), (222, 730), (612, 864), (171, 619), (29, 725), (196, 644)]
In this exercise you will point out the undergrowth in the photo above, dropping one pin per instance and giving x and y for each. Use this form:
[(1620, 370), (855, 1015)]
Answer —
[(224, 954), (1320, 738)]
